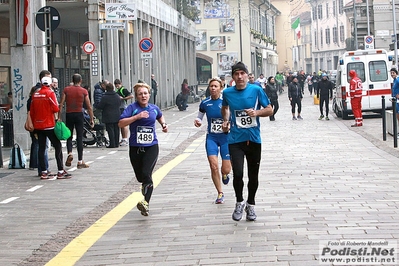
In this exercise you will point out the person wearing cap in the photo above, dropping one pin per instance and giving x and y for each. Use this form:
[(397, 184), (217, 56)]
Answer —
[(43, 107), (295, 96), (355, 92), (324, 93), (242, 106)]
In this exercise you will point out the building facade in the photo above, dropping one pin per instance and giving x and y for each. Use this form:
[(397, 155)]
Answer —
[(229, 31)]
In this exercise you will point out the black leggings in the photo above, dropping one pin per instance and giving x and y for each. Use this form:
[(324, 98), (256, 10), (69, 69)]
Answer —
[(75, 120), (143, 160), (252, 151)]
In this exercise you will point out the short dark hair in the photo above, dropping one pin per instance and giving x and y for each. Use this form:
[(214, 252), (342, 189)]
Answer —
[(117, 81), (76, 78), (44, 73), (394, 70)]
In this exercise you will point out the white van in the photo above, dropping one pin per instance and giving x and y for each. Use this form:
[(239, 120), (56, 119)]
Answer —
[(373, 68)]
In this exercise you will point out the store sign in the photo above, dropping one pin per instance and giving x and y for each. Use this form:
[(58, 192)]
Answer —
[(120, 11)]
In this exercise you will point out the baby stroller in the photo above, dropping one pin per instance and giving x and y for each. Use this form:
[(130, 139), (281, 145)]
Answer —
[(92, 136)]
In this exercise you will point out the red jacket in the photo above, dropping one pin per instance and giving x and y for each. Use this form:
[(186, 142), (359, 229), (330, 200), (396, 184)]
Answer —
[(43, 107), (356, 85)]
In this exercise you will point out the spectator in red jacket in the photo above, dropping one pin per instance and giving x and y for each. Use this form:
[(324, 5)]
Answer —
[(356, 87), (42, 109)]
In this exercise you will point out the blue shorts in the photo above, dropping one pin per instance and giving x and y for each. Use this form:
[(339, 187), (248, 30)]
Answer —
[(216, 141)]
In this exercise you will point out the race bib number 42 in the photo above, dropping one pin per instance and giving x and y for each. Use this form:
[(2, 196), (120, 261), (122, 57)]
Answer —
[(216, 125), (243, 120), (145, 135)]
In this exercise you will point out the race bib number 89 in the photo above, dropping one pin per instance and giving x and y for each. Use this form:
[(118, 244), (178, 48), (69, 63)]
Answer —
[(243, 120), (145, 135)]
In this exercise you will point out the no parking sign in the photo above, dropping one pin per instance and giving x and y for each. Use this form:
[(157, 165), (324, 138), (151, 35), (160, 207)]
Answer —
[(368, 42)]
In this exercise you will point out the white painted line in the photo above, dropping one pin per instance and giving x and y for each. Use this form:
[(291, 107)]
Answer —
[(34, 188), (112, 152), (9, 200), (101, 157)]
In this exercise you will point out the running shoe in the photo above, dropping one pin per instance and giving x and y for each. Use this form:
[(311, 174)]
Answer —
[(237, 214), (82, 165), (142, 206), (123, 143), (220, 198), (300, 117), (250, 210), (327, 118), (44, 176), (69, 160), (225, 179), (321, 117), (294, 118), (63, 175)]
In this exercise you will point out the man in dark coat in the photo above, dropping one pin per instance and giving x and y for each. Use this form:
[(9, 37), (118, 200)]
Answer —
[(324, 92)]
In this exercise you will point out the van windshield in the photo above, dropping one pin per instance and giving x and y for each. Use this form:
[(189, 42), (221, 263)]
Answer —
[(378, 70)]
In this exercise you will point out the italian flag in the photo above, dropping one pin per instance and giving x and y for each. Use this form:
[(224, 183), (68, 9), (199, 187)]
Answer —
[(297, 27)]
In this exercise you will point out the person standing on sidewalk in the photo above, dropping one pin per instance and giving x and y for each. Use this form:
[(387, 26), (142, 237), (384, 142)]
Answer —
[(295, 96), (99, 90), (154, 88), (241, 108), (124, 95), (109, 105), (215, 137), (272, 93), (140, 116), (324, 93), (395, 90), (355, 92), (43, 107), (74, 97)]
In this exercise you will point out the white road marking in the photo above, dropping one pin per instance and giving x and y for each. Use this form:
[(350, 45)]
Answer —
[(9, 200), (34, 188)]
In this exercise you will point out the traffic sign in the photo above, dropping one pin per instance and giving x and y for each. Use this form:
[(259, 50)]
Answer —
[(47, 16), (89, 47), (368, 42), (146, 45), (112, 26)]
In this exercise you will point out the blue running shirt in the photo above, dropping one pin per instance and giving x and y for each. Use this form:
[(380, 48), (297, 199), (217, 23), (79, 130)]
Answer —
[(213, 114), (142, 131), (242, 126)]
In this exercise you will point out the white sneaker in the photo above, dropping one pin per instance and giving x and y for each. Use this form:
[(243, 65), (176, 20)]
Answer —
[(123, 143)]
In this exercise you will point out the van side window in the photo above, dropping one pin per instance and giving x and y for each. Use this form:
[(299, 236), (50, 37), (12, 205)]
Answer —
[(359, 68), (378, 71)]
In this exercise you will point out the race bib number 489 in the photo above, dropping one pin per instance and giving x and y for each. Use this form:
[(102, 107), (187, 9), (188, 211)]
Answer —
[(243, 120), (145, 135)]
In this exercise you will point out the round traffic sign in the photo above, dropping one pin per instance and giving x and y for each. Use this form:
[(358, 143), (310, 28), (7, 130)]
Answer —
[(369, 39), (47, 15), (146, 44), (89, 47)]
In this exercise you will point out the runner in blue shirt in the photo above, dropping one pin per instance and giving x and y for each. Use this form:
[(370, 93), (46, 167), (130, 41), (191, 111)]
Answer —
[(143, 143), (395, 90), (241, 108), (215, 138)]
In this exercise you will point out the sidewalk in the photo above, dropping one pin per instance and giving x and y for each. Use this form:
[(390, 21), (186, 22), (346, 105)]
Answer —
[(319, 180)]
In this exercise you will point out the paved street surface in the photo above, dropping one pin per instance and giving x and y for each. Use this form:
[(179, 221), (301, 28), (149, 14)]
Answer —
[(319, 180)]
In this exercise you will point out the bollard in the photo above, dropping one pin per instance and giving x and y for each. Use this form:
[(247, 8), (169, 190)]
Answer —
[(384, 119), (8, 130), (395, 123)]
